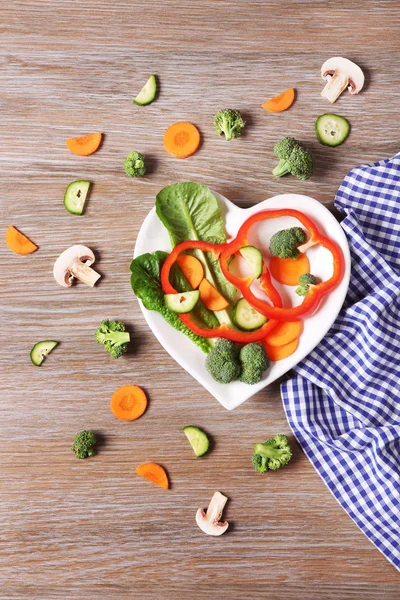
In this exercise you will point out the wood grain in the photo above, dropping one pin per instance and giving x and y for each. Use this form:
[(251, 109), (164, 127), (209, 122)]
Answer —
[(93, 528)]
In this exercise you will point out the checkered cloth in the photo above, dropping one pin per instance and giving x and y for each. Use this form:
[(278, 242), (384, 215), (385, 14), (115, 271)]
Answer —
[(343, 404)]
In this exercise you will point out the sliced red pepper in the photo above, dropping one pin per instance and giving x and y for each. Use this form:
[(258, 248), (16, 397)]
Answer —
[(316, 292), (223, 330)]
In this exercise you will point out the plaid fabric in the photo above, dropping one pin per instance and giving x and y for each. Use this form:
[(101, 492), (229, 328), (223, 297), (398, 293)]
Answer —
[(343, 404)]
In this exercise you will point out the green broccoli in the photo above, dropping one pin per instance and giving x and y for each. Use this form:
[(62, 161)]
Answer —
[(284, 243), (228, 122), (305, 281), (294, 158), (113, 336), (272, 454), (134, 164), (84, 443), (254, 362), (223, 361)]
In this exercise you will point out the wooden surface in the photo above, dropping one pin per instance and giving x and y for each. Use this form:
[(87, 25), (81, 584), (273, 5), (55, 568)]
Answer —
[(93, 529)]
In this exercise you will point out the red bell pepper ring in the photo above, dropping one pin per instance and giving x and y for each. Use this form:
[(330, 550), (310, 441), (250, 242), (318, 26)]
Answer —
[(316, 292), (223, 330)]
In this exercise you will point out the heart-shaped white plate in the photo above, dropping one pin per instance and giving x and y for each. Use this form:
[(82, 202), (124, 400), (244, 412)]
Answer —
[(153, 236)]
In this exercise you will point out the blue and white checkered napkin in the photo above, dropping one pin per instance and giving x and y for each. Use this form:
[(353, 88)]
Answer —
[(343, 405)]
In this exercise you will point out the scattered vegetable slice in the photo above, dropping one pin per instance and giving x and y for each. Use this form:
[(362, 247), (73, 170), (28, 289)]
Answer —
[(284, 333), (85, 145), (280, 102), (181, 139), (198, 439), (211, 298), (75, 196), (40, 350), (18, 242), (341, 73), (254, 259), (147, 93), (154, 473), (134, 164), (287, 271), (128, 402), (183, 302), (276, 353), (192, 269), (84, 444), (332, 130), (246, 317), (209, 520)]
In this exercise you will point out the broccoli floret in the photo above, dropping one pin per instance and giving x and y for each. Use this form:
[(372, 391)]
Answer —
[(84, 443), (284, 243), (134, 164), (228, 122), (113, 336), (294, 158), (305, 281), (223, 361), (254, 361), (272, 454)]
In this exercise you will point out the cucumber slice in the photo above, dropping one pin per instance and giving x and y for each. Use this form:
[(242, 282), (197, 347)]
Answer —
[(75, 196), (246, 317), (254, 259), (331, 129), (182, 303), (198, 439), (40, 350), (147, 93)]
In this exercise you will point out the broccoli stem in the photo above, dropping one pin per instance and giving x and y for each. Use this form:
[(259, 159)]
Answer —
[(281, 168), (119, 337), (268, 451)]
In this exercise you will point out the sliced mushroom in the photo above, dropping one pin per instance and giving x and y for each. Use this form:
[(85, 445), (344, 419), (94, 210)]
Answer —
[(209, 521), (75, 263), (341, 73)]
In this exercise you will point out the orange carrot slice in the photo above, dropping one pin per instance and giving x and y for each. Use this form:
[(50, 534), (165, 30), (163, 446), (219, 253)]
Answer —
[(276, 353), (154, 473), (18, 242), (128, 402), (280, 102), (287, 270), (284, 333), (192, 269), (181, 139), (85, 145), (210, 297)]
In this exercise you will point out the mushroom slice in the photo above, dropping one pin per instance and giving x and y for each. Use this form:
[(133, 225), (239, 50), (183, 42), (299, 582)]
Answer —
[(341, 73), (209, 521), (75, 263)]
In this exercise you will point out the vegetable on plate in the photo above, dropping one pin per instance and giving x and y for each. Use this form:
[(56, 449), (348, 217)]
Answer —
[(84, 444), (147, 93), (198, 439), (280, 102), (332, 130), (128, 402), (228, 122), (112, 335), (287, 271), (211, 297), (276, 353), (254, 362), (254, 259), (183, 302), (40, 350), (74, 263), (246, 317), (84, 145), (223, 361), (192, 269), (294, 159), (284, 333), (285, 243), (18, 242), (134, 164), (209, 520), (341, 73), (154, 473), (181, 139), (272, 454), (75, 196), (306, 281)]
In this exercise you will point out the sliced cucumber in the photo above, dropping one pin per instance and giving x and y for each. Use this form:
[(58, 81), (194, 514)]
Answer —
[(182, 303), (198, 439), (246, 317), (331, 129), (40, 350), (75, 196), (254, 259), (147, 93)]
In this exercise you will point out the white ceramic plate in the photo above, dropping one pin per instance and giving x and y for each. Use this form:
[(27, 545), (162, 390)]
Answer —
[(153, 236)]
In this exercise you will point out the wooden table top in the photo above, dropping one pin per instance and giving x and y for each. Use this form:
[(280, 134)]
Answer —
[(93, 528)]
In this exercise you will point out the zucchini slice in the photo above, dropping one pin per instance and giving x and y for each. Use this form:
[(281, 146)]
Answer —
[(147, 93), (182, 303), (198, 439), (75, 196), (40, 350), (332, 130), (254, 259), (246, 317)]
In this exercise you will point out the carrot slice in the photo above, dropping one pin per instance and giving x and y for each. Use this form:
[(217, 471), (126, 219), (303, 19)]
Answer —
[(276, 353), (18, 242), (85, 145), (154, 473), (181, 139), (280, 102), (128, 402), (192, 269), (284, 333), (287, 270), (210, 297)]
